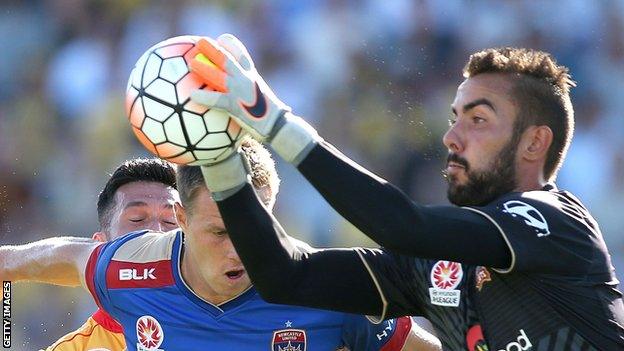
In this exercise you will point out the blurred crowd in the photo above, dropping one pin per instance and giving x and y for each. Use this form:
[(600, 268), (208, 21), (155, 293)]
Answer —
[(376, 77)]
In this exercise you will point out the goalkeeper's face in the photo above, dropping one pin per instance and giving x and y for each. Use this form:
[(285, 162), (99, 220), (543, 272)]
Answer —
[(482, 146), (210, 264)]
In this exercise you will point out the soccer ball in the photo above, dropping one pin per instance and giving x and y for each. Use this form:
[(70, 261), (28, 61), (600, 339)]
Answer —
[(162, 115)]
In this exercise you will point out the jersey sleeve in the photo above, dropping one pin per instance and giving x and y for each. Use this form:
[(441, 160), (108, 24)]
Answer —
[(90, 336), (546, 232), (95, 276), (96, 271), (390, 335), (402, 282)]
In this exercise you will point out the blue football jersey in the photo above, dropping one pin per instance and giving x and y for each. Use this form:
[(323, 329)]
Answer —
[(137, 280)]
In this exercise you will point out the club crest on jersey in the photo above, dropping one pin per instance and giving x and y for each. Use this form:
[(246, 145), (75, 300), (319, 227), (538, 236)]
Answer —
[(531, 216), (150, 334), (483, 275), (289, 340), (445, 277)]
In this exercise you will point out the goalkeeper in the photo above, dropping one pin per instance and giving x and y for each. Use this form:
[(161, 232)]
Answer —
[(515, 264)]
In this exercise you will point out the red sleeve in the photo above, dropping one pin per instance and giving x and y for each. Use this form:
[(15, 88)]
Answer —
[(90, 273), (401, 332)]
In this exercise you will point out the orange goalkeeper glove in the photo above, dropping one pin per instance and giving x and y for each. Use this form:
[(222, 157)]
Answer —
[(241, 91)]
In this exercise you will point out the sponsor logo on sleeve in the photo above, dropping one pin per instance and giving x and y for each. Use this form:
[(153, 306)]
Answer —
[(150, 334), (531, 216), (445, 277), (483, 276), (289, 340)]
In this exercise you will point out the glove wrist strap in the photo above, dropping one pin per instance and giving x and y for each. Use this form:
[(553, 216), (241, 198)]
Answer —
[(294, 138), (225, 178)]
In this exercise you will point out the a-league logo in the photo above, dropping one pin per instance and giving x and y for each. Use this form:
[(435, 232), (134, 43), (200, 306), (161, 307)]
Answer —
[(445, 277), (149, 334)]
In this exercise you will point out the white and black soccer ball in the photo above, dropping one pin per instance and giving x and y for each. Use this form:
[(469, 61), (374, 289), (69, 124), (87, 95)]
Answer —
[(162, 115)]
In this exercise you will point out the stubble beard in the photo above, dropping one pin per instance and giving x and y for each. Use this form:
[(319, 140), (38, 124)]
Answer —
[(482, 187)]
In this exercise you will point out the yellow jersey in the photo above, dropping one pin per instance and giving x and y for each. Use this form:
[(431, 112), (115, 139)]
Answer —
[(99, 333)]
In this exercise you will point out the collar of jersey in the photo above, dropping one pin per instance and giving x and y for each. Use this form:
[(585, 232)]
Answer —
[(215, 310)]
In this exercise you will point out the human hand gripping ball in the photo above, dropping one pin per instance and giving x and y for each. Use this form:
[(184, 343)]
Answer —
[(242, 92), (239, 89)]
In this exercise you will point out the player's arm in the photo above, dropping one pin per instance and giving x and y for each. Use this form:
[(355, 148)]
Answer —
[(58, 260), (373, 205), (421, 338), (398, 334), (390, 218), (283, 272)]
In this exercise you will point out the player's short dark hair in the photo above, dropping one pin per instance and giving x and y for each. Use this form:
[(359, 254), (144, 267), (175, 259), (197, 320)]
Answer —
[(135, 170), (541, 89), (262, 168)]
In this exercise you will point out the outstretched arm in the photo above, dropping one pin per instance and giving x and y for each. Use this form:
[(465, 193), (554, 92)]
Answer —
[(390, 218), (282, 272), (377, 208), (59, 260)]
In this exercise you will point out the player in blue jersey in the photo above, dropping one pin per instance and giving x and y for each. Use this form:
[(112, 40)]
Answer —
[(188, 289)]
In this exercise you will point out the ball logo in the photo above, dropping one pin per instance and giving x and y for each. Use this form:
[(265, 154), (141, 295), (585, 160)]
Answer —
[(446, 275), (531, 216), (149, 333)]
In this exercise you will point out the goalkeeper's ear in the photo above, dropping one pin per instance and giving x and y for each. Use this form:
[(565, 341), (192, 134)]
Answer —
[(234, 46)]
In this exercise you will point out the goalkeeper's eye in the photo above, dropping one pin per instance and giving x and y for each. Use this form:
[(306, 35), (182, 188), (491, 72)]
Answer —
[(452, 121)]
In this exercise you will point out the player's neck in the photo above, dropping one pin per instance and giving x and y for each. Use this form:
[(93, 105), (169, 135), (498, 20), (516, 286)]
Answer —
[(530, 184)]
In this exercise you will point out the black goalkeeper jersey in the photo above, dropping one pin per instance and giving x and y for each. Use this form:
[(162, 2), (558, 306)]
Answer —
[(434, 289), (528, 271), (558, 294)]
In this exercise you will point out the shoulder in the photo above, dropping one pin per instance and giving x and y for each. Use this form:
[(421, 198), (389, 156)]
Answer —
[(546, 230), (543, 212), (140, 260), (143, 246)]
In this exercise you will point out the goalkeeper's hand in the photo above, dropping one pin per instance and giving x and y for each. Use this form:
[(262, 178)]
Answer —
[(227, 177), (241, 91)]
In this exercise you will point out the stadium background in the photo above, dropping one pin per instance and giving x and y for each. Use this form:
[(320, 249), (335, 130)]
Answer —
[(376, 77)]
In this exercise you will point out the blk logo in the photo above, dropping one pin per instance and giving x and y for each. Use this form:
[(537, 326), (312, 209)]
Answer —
[(134, 274)]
